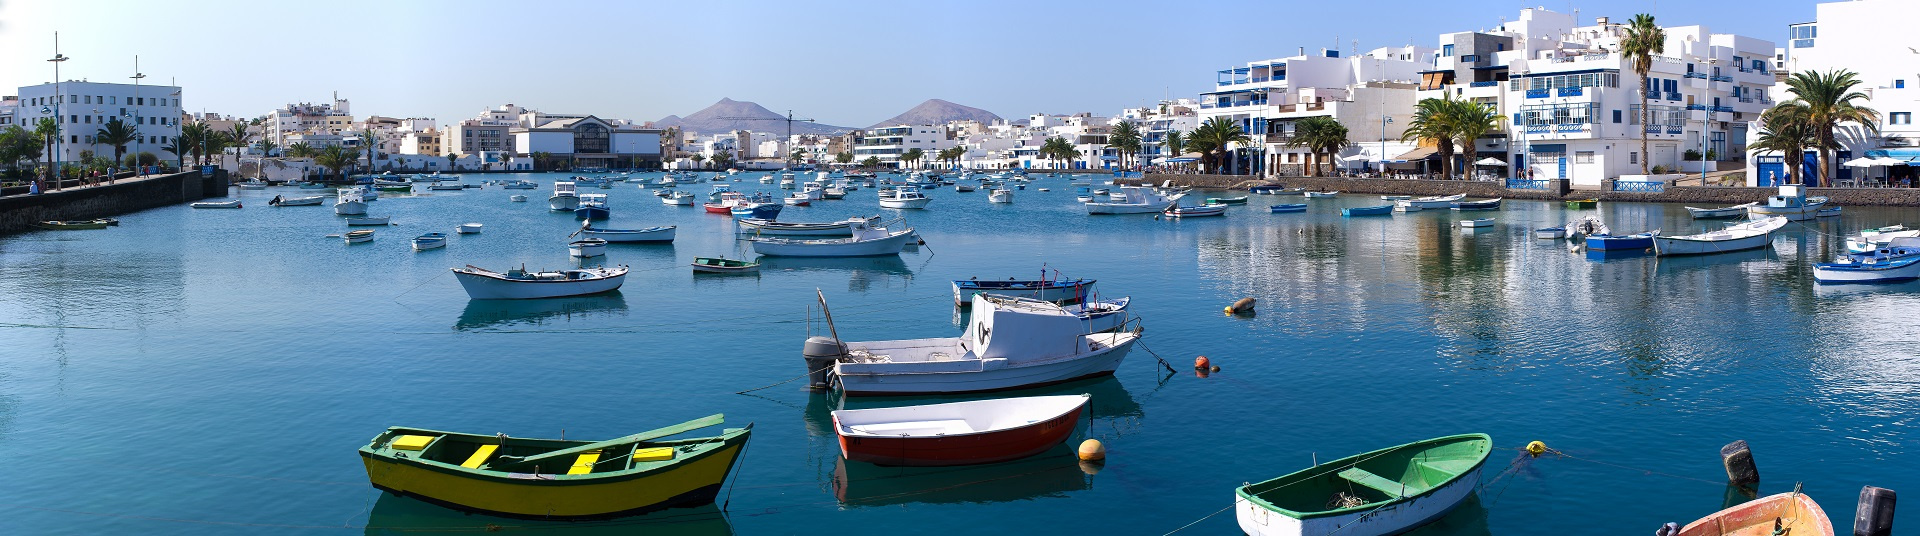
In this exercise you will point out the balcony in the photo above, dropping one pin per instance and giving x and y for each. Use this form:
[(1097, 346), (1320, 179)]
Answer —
[(1279, 138), (1720, 78), (1696, 106), (1653, 129), (1570, 127), (1570, 92), (1484, 84), (1674, 96), (1537, 94), (1697, 74), (1726, 109), (1672, 129)]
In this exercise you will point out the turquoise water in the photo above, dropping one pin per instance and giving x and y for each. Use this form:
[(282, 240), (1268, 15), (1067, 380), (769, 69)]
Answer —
[(212, 371)]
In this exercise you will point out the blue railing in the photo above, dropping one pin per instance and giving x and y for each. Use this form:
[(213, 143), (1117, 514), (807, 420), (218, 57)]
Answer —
[(1537, 129), (1536, 93), (1653, 129), (1570, 92), (1674, 96), (1696, 74), (1721, 78), (1696, 106), (1727, 109), (1570, 127), (1526, 184), (1647, 187), (1490, 83), (1675, 130)]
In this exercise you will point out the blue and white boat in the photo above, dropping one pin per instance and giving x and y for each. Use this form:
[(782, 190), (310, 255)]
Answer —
[(1382, 210), (592, 207), (1292, 207), (1050, 290), (1898, 261), (757, 210), (429, 241), (1608, 242)]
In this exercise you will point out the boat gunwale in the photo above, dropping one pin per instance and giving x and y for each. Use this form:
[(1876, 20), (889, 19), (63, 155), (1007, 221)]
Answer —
[(719, 443), (846, 430), (1353, 461)]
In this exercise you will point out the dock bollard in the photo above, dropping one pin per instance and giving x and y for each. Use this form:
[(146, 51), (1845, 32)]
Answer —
[(1738, 460), (1874, 515)]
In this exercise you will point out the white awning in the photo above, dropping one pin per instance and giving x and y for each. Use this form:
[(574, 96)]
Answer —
[(1863, 162), (1357, 158), (1490, 161)]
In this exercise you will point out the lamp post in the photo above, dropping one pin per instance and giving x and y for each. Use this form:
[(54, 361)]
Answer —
[(58, 120), (137, 75), (1706, 119)]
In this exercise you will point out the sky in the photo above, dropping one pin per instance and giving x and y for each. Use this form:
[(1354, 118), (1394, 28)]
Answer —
[(847, 63)]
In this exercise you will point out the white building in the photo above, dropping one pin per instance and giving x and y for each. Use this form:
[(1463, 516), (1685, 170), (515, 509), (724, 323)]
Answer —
[(888, 143), (591, 142), (309, 118), (1856, 36), (1269, 97), (83, 107)]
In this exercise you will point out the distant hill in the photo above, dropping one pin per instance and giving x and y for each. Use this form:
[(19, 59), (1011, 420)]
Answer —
[(724, 116), (936, 111)]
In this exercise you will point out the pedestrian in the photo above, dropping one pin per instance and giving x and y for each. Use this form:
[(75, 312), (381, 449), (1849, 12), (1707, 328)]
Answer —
[(33, 188)]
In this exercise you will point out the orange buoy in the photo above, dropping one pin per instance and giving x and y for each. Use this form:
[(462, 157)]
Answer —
[(1092, 451), (1201, 362)]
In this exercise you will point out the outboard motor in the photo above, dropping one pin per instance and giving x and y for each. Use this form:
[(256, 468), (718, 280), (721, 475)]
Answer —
[(820, 353)]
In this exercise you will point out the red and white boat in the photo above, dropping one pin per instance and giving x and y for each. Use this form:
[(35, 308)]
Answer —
[(958, 433)]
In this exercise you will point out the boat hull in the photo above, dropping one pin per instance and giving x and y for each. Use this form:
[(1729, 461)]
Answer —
[(1801, 515), (965, 449), (761, 227), (1858, 273), (486, 288), (1670, 246), (664, 234), (1618, 243), (591, 213), (1124, 208), (1405, 510), (350, 208), (1383, 210), (833, 247), (1067, 291), (558, 497), (563, 203), (1294, 207), (918, 203), (1392, 519), (976, 376)]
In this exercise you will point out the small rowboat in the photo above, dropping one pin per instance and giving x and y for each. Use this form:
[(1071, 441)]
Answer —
[(1738, 237), (1606, 242), (311, 200), (587, 247), (517, 198), (1290, 191), (1485, 204), (429, 241), (555, 479), (1717, 213), (1242, 200), (723, 265), (1201, 211), (1395, 197), (469, 228), (651, 234), (1321, 195), (1582, 203), (1787, 513), (358, 237), (519, 284), (1382, 210), (73, 225), (1264, 189), (775, 228), (1482, 222), (958, 433), (1387, 491), (1550, 232), (382, 220), (216, 204), (1292, 207)]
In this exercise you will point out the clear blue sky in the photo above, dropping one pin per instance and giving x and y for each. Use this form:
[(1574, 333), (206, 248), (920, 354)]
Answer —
[(845, 63)]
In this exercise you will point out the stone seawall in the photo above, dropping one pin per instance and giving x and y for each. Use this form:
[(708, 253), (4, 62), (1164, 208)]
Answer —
[(1705, 195), (19, 212)]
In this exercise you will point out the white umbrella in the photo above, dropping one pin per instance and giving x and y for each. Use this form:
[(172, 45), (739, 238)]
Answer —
[(1357, 158), (1862, 162), (1889, 161), (1490, 161)]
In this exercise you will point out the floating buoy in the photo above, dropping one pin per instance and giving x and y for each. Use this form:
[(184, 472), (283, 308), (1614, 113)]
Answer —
[(1741, 471), (1243, 306), (1536, 448), (1090, 468), (1092, 451), (1201, 362), (1216, 368)]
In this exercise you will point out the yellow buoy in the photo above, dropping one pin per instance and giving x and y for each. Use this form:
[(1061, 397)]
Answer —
[(1091, 450), (1536, 448)]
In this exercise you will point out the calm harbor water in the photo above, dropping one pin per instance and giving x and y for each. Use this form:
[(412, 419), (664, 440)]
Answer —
[(212, 371)]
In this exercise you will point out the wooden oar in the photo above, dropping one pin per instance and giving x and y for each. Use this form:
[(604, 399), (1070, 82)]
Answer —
[(688, 426)]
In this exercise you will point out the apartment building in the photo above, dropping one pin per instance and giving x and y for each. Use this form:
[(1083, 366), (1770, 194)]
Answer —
[(1855, 36), (81, 108)]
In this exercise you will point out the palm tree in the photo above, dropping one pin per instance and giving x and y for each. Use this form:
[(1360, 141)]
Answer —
[(1214, 138), (267, 146), (48, 128), (1175, 143), (1827, 99), (117, 133), (178, 150), (1126, 138), (798, 155), (336, 158), (373, 147), (1433, 122), (451, 158), (845, 157), (1057, 149), (912, 155), (1644, 40), (1471, 121), (540, 159), (697, 159), (299, 149), (1784, 129), (193, 138), (238, 135), (871, 162), (1320, 135)]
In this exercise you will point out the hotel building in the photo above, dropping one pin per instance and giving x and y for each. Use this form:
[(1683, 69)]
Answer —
[(83, 107)]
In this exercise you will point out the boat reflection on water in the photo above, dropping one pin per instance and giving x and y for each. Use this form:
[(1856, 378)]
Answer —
[(1049, 474), (1110, 402), (394, 515), (864, 272), (1603, 255), (1468, 519), (1691, 263), (497, 314)]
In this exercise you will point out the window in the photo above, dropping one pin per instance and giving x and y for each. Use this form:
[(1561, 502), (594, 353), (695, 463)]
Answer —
[(1898, 84), (1446, 51), (1616, 117), (1583, 157), (1633, 158), (1900, 118)]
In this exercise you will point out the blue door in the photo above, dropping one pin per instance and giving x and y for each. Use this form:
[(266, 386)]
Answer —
[(1772, 171), (1563, 167), (1810, 169)]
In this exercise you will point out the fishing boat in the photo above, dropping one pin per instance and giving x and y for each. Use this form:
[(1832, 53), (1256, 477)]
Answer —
[(587, 247), (564, 197), (1582, 203), (1738, 237), (905, 198), (835, 192), (216, 204), (1792, 202), (351, 202), (1000, 195), (723, 265), (1290, 207), (517, 198), (1876, 238), (1827, 212), (1898, 261), (1047, 290), (865, 240), (592, 207), (1550, 232), (469, 228), (1395, 197), (358, 237), (1786, 514), (1263, 189), (1134, 200), (1608, 242), (483, 284), (1417, 204), (1242, 200), (777, 228), (958, 433), (369, 220), (1482, 222), (519, 184), (796, 199), (1485, 204), (429, 241), (1382, 210), (650, 234), (306, 201), (1201, 211), (1322, 195), (253, 184), (963, 188), (1718, 213), (759, 211), (684, 199), (73, 225), (1008, 343), (1101, 316), (554, 479), (1290, 191), (401, 187), (1387, 491)]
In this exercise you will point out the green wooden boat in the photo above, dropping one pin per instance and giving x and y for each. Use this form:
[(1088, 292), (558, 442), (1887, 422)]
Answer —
[(1386, 491), (1242, 200), (1582, 203), (723, 265)]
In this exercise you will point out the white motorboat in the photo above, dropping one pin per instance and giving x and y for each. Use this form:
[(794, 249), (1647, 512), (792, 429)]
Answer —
[(352, 202), (446, 185), (469, 228), (587, 247), (1008, 343), (1417, 204), (1138, 200), (255, 184), (1000, 195), (307, 201), (429, 241), (358, 237), (369, 220), (651, 234), (1321, 195), (1792, 202), (1898, 261), (678, 198), (1872, 239), (517, 198), (216, 204), (1482, 222), (760, 227), (866, 240), (564, 197), (519, 184), (1722, 212), (1738, 237), (483, 284), (905, 198), (1550, 232)]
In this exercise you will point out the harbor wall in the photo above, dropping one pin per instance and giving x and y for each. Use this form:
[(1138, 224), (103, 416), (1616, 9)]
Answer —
[(19, 212), (1708, 195)]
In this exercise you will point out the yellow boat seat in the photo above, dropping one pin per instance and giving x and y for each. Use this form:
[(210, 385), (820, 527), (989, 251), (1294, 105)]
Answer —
[(656, 454), (584, 464), (480, 456), (412, 442)]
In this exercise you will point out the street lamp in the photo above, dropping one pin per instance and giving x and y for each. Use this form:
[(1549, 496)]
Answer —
[(1706, 119), (58, 133), (137, 75)]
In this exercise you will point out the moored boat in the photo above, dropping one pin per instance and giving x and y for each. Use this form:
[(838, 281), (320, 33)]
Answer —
[(1743, 236), (865, 240), (1290, 207), (762, 227), (1000, 195), (1876, 238), (1382, 210), (564, 197), (429, 241), (1101, 315), (358, 237), (1608, 242), (1387, 491), (351, 202), (1134, 200), (305, 201), (650, 234), (516, 284), (1786, 514), (592, 207), (1722, 212), (958, 433), (74, 225), (1048, 290), (905, 198), (1550, 232), (723, 265), (1484, 204), (469, 228), (587, 247), (1791, 202), (1827, 212), (1899, 260), (1321, 195), (369, 220), (517, 198), (1201, 211), (1433, 202), (1582, 203), (552, 479), (684, 199), (1482, 222), (1242, 200), (216, 204), (1395, 197)]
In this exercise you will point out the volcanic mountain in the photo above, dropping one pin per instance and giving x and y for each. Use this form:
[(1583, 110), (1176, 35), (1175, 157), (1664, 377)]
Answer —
[(936, 111), (729, 115)]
